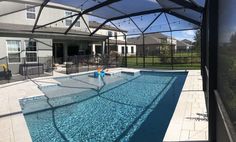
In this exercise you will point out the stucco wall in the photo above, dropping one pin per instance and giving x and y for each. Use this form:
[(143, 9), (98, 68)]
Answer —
[(47, 15), (105, 32), (44, 47), (129, 49)]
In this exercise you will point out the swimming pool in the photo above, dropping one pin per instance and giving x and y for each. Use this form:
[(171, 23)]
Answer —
[(119, 108)]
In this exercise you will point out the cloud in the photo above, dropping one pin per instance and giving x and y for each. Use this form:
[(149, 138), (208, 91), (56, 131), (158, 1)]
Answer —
[(185, 35), (189, 32), (153, 1)]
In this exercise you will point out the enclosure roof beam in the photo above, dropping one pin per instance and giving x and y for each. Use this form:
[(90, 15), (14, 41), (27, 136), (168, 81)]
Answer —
[(195, 3), (184, 18), (136, 25), (117, 28), (50, 5), (167, 31), (171, 12), (189, 5), (39, 13), (164, 10), (103, 4), (86, 24), (142, 13), (19, 10), (152, 23), (99, 27), (168, 22), (41, 26)]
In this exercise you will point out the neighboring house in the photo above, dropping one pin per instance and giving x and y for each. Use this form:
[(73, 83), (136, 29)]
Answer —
[(154, 43), (187, 41), (17, 41), (116, 40), (183, 46)]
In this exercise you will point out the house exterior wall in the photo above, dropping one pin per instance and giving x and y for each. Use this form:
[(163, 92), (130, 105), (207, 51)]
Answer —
[(174, 42), (120, 37), (44, 51), (48, 15), (150, 50), (105, 32), (129, 49), (44, 46)]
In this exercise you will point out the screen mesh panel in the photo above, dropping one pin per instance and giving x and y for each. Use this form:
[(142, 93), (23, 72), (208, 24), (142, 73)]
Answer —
[(8, 8), (142, 12), (127, 25), (80, 4), (159, 25), (128, 6), (179, 24), (200, 2), (190, 14)]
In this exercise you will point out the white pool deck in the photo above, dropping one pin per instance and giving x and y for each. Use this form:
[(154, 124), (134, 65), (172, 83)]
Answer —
[(187, 124), (189, 121)]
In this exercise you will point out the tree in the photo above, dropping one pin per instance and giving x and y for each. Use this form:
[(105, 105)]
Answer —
[(233, 38), (197, 41)]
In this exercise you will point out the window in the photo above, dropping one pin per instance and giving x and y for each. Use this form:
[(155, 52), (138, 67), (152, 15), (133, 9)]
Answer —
[(68, 21), (77, 24), (109, 33), (132, 49), (30, 12), (123, 50), (31, 51), (13, 47)]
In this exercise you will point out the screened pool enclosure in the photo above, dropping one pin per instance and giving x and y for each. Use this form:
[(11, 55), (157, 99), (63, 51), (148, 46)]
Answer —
[(139, 19)]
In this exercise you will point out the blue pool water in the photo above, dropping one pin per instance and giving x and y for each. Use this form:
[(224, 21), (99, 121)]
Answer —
[(133, 108)]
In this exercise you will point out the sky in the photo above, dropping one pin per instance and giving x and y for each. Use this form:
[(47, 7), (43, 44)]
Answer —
[(160, 25), (189, 34)]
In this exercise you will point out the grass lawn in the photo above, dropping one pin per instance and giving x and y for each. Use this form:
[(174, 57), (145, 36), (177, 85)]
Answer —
[(151, 62)]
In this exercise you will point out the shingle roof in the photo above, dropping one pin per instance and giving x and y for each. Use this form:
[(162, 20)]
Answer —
[(187, 41), (111, 41), (181, 43), (155, 38)]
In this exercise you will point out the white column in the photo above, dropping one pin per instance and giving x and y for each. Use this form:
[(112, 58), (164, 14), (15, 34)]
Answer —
[(94, 49), (103, 47)]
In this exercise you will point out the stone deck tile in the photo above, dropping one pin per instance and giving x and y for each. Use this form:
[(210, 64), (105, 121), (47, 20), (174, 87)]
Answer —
[(188, 122)]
